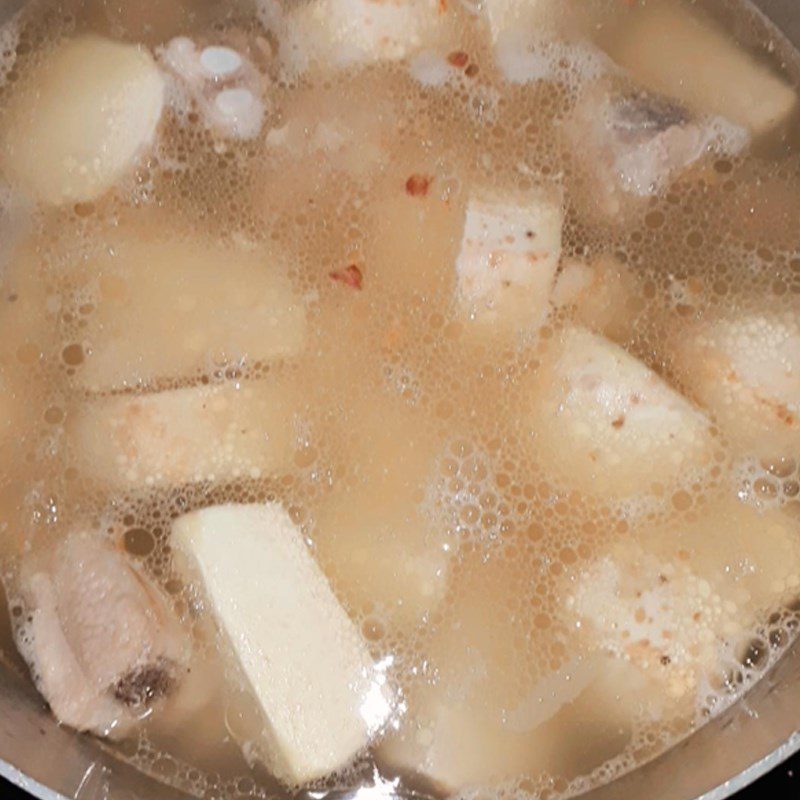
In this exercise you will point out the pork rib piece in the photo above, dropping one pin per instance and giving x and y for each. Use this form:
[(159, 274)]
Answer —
[(102, 642)]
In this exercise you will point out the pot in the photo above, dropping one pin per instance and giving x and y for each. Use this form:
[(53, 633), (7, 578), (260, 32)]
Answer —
[(749, 739)]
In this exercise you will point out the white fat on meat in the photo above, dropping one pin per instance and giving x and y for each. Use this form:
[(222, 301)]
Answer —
[(80, 121), (201, 433), (323, 33), (167, 310), (225, 85), (607, 424), (674, 49), (681, 602), (510, 250), (321, 695), (746, 372), (102, 642), (489, 707), (632, 143), (523, 17)]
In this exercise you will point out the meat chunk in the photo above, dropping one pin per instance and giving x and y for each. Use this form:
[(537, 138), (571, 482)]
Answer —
[(509, 254), (608, 425), (602, 295), (633, 143), (225, 86), (681, 601), (80, 120), (673, 49), (320, 693), (203, 433), (324, 33), (174, 310), (487, 706), (746, 372), (151, 22), (384, 554), (103, 644)]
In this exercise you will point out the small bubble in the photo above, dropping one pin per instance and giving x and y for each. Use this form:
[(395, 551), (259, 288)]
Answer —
[(54, 415), (139, 542), (72, 355)]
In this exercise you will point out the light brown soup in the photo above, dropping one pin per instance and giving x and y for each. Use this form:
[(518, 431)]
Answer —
[(524, 314)]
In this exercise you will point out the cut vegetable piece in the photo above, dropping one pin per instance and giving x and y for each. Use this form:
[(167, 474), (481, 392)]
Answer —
[(164, 309), (603, 295), (527, 20), (680, 601), (632, 143), (746, 372), (102, 643), (492, 708), (78, 123), (203, 433), (509, 254), (608, 425), (675, 50), (522, 17), (345, 32), (383, 553), (321, 695)]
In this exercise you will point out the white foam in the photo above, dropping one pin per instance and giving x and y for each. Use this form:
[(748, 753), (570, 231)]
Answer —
[(522, 59)]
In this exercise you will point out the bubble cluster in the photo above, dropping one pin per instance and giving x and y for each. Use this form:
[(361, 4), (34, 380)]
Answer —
[(356, 190)]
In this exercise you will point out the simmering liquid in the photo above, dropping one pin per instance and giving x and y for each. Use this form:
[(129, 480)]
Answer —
[(497, 305)]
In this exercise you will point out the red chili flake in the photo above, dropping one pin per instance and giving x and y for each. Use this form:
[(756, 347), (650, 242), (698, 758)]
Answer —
[(458, 58), (418, 185), (351, 276), (442, 6)]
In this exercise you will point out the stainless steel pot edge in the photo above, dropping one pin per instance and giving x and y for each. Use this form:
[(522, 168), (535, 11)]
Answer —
[(32, 787), (83, 770), (756, 771)]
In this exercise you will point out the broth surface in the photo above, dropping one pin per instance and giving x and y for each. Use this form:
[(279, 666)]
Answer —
[(555, 594)]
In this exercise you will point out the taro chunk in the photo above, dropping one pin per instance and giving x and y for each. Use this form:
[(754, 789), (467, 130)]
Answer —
[(510, 249), (320, 693), (633, 143), (672, 49), (348, 32), (678, 601), (746, 372), (167, 310), (608, 425), (201, 433), (102, 643), (80, 120), (490, 706)]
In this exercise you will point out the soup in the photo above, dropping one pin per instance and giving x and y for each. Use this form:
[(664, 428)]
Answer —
[(397, 392)]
